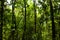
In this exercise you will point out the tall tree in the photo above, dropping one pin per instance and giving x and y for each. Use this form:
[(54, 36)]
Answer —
[(35, 13), (52, 19), (1, 15), (34, 5), (24, 32), (13, 27)]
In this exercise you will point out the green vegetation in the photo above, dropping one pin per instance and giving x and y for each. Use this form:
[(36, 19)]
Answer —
[(29, 19)]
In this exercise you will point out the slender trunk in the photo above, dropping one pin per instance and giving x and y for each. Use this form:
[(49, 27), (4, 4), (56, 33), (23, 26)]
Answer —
[(35, 14), (52, 19), (1, 13), (34, 4), (24, 32), (13, 27)]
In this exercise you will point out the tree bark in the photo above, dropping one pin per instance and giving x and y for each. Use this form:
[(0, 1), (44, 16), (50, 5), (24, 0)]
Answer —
[(1, 13), (24, 32), (52, 19), (13, 27), (35, 14)]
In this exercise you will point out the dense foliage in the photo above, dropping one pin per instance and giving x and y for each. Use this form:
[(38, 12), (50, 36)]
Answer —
[(29, 19)]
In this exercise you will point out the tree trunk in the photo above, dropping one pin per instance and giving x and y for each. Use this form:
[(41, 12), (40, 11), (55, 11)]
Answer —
[(34, 4), (52, 19), (35, 14), (24, 32), (13, 27), (1, 15)]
